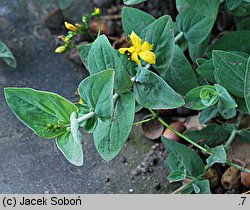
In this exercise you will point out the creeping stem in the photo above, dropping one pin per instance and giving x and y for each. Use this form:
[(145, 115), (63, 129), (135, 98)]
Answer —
[(144, 121), (197, 145), (179, 134), (234, 132)]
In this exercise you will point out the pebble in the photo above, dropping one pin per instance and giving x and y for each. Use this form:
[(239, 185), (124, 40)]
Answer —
[(131, 190)]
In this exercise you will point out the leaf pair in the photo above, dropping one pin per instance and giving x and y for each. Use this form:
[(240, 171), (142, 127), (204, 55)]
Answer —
[(49, 116), (184, 163)]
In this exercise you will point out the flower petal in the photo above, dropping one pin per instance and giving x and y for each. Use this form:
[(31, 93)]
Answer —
[(148, 56), (136, 41), (147, 46), (135, 58), (123, 50)]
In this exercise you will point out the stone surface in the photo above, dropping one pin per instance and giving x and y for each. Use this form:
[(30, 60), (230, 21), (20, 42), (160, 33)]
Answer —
[(29, 164)]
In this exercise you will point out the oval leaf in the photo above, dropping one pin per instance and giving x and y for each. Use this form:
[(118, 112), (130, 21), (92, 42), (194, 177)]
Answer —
[(152, 92), (103, 56), (110, 136), (180, 76), (97, 92), (160, 33), (230, 71), (38, 109), (135, 20)]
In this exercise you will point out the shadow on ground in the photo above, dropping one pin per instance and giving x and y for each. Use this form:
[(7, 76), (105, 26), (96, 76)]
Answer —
[(29, 164)]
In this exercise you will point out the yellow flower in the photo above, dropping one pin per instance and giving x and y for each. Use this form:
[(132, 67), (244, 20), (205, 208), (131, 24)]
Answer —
[(139, 49), (70, 27), (80, 101), (97, 11), (60, 49)]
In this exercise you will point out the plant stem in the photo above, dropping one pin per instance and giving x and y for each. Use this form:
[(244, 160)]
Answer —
[(115, 96), (99, 26), (178, 37), (91, 36), (179, 134), (179, 190), (238, 167), (92, 114), (234, 132), (197, 145), (85, 117), (144, 121)]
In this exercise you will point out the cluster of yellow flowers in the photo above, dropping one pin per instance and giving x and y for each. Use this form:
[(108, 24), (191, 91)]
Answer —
[(139, 49), (74, 30)]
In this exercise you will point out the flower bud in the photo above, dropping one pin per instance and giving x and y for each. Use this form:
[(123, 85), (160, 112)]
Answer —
[(70, 27), (60, 49)]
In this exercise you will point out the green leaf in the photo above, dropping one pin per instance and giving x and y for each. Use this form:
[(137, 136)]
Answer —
[(176, 176), (202, 187), (97, 91), (128, 64), (206, 7), (135, 20), (83, 51), (71, 147), (227, 113), (242, 10), (180, 76), (7, 55), (242, 107), (212, 135), (247, 86), (110, 136), (218, 155), (132, 2), (182, 158), (152, 92), (90, 124), (160, 33), (233, 4), (225, 98), (242, 23), (198, 50), (206, 70), (193, 100), (244, 135), (181, 5), (103, 56), (233, 41), (209, 96), (196, 26), (230, 71), (208, 114), (47, 114)]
